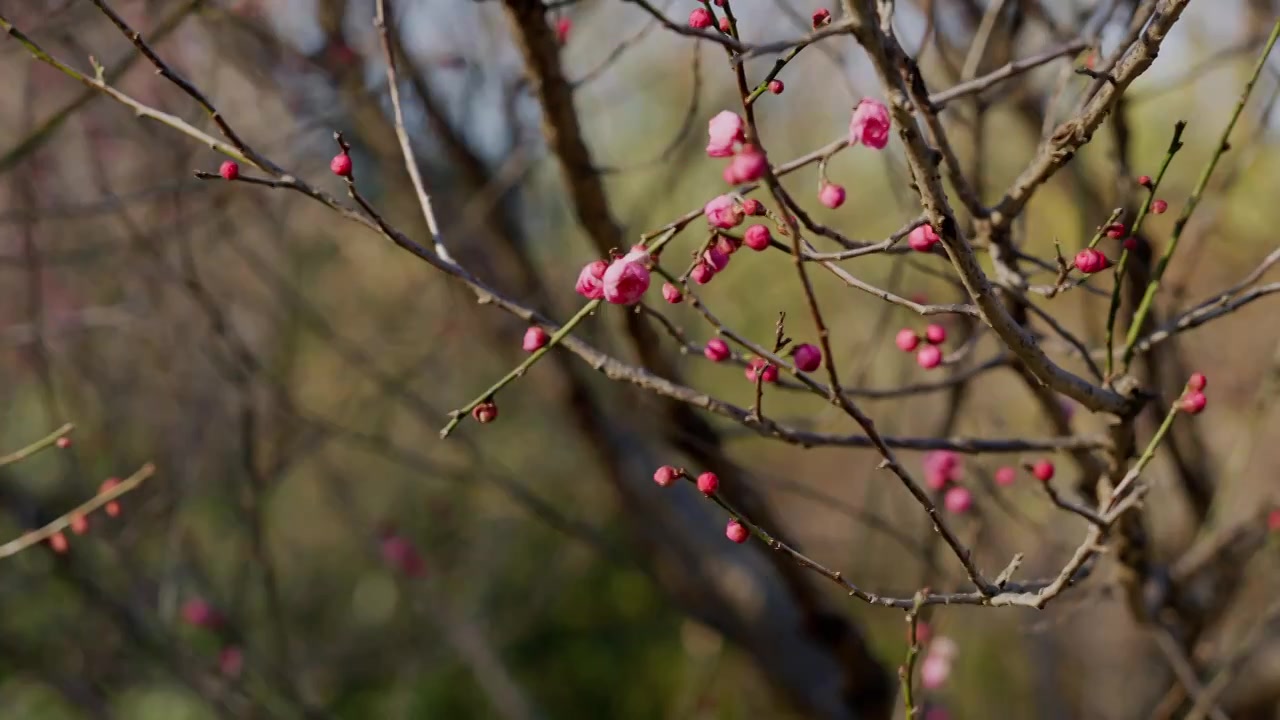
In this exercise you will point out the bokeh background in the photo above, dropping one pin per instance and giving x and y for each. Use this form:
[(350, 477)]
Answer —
[(288, 374)]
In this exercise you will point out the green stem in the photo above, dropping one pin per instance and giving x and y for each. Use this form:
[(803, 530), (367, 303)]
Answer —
[(1144, 308), (1175, 144), (1147, 455)]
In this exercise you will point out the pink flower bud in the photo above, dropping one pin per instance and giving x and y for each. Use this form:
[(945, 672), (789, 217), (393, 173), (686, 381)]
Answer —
[(563, 26), (906, 340), (821, 17), (700, 19), (831, 195), (401, 555), (1273, 520), (748, 165), (671, 293), (702, 273), (1091, 260), (923, 238), (737, 532), (723, 212), (1198, 381), (534, 339), (340, 165), (727, 244), (923, 633), (757, 238), (230, 660), (716, 350), (665, 475), (776, 87), (759, 366), (708, 483), (1006, 476), (1043, 470), (1144, 180), (485, 412), (935, 334), (751, 206), (63, 442), (79, 524), (725, 26), (934, 672), (198, 613), (1115, 231), (958, 500), (941, 467), (1193, 402), (1130, 244), (591, 280), (725, 130), (807, 357), (929, 357), (1159, 206), (870, 124), (715, 259), (58, 543), (229, 170)]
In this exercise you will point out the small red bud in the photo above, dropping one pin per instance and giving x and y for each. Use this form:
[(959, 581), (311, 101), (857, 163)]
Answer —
[(671, 293), (112, 508), (776, 87), (63, 442), (1144, 180), (1273, 520), (700, 19), (716, 350), (229, 170), (929, 357), (958, 500), (725, 25), (1159, 206), (708, 483), (1006, 476), (763, 369), (665, 475), (485, 412), (1198, 381), (341, 165), (751, 206), (1130, 244), (907, 340), (702, 273), (807, 357), (1115, 231), (935, 334), (535, 338), (1043, 470), (563, 26), (58, 543), (821, 17), (79, 524), (737, 532), (1193, 402)]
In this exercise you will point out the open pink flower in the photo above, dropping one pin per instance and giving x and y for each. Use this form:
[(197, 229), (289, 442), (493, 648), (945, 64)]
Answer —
[(723, 212), (870, 124), (747, 166), (724, 131), (923, 238), (591, 280), (627, 278)]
